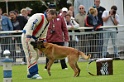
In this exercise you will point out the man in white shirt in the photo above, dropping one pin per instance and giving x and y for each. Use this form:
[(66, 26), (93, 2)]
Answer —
[(110, 18)]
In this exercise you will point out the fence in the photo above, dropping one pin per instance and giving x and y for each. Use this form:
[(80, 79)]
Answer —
[(87, 42)]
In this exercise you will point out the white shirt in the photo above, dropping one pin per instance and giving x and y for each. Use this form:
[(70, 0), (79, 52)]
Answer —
[(109, 21)]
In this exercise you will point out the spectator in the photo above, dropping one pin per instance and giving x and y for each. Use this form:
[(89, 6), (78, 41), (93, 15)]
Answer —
[(110, 18), (87, 4), (92, 21), (57, 34), (18, 24), (99, 36), (5, 25), (29, 10), (72, 25), (80, 17), (71, 8), (100, 9), (24, 13), (35, 29), (63, 12)]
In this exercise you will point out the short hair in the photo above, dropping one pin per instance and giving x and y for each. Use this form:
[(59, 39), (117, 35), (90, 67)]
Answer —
[(52, 11), (68, 15), (12, 12), (114, 7)]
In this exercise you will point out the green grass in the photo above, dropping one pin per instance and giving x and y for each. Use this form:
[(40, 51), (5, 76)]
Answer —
[(59, 75)]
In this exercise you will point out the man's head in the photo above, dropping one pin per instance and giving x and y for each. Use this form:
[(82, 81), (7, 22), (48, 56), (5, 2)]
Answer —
[(12, 15), (113, 10), (81, 9), (64, 11), (28, 10), (97, 3), (51, 14), (68, 17)]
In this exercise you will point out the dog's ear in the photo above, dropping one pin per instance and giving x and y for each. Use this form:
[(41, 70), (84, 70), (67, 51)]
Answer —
[(34, 44)]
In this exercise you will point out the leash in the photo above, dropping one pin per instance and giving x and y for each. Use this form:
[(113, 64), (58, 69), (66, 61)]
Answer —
[(92, 60)]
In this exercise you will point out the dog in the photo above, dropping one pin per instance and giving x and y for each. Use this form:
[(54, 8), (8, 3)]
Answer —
[(53, 52)]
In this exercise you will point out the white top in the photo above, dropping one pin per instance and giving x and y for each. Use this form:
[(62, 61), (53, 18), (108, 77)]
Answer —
[(73, 23), (36, 25), (103, 59), (109, 21)]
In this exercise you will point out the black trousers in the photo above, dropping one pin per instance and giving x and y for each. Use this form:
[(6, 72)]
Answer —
[(63, 64)]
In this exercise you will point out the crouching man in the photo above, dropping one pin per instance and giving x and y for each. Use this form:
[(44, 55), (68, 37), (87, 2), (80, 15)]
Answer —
[(35, 29)]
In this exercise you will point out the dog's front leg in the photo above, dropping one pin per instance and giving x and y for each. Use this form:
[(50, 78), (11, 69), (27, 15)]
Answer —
[(49, 64)]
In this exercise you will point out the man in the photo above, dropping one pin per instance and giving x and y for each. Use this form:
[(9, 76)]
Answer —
[(71, 25), (100, 9), (81, 15), (86, 3), (99, 36), (35, 29), (5, 25), (80, 18), (57, 34), (18, 24), (110, 18), (29, 10)]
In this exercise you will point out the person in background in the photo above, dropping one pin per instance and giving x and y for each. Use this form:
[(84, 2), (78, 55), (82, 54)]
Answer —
[(92, 21), (57, 34), (63, 12), (71, 8), (99, 36), (5, 25), (29, 10), (86, 3), (100, 9), (110, 18), (80, 19), (18, 24), (35, 29), (72, 25), (24, 13), (80, 16)]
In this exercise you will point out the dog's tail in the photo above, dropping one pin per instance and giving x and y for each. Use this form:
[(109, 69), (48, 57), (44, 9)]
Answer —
[(85, 56)]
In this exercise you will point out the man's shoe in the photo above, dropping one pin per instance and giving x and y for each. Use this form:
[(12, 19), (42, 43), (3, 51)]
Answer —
[(36, 76)]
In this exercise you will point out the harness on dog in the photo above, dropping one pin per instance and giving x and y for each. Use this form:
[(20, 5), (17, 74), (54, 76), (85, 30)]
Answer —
[(92, 60)]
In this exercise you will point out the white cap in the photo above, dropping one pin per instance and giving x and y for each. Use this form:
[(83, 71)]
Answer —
[(64, 9), (28, 8)]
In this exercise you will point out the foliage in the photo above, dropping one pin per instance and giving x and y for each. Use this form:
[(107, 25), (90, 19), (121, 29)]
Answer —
[(37, 6)]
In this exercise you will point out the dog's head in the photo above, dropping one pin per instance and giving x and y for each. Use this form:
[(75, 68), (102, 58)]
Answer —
[(37, 44)]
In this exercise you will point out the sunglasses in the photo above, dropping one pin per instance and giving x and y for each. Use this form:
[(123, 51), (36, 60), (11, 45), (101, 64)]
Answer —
[(81, 8)]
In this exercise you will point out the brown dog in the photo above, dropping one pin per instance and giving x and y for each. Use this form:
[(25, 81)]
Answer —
[(53, 52)]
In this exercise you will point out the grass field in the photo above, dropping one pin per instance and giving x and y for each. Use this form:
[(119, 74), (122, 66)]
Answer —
[(59, 75)]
